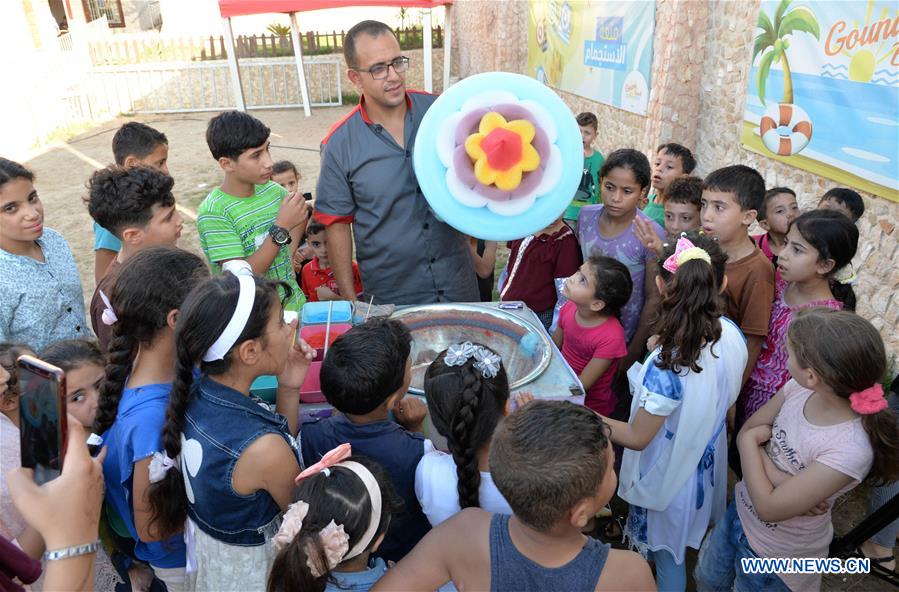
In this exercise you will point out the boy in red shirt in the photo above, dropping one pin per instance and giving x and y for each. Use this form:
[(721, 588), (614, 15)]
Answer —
[(317, 279)]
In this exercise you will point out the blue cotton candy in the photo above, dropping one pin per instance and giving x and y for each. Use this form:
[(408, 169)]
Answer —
[(529, 344)]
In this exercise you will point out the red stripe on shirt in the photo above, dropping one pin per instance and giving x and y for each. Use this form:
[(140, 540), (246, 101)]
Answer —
[(328, 219), (342, 120)]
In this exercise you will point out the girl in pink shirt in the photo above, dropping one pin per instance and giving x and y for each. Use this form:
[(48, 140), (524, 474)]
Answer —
[(828, 429), (589, 333)]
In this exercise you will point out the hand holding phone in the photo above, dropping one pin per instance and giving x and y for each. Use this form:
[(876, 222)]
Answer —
[(42, 417), (66, 511)]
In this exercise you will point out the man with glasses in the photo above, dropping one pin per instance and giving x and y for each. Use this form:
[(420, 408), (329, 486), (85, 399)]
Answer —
[(405, 254)]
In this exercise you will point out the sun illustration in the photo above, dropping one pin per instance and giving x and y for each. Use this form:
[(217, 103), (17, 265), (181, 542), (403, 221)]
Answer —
[(865, 44)]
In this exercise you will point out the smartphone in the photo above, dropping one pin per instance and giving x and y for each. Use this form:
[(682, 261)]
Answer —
[(42, 417)]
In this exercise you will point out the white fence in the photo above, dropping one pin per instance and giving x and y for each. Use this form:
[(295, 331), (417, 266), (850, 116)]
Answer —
[(182, 87), (64, 89)]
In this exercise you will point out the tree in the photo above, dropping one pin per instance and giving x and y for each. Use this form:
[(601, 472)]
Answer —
[(279, 29), (403, 14), (772, 43)]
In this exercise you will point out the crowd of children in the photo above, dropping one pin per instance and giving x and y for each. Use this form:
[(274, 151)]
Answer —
[(691, 337)]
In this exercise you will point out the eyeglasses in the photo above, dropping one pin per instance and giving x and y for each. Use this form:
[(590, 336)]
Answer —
[(380, 71)]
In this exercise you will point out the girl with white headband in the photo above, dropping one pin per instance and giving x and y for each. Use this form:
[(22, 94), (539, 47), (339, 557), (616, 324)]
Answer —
[(343, 508), (674, 466), (229, 463)]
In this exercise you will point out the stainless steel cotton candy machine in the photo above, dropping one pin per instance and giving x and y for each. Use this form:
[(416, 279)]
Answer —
[(525, 348), (531, 359)]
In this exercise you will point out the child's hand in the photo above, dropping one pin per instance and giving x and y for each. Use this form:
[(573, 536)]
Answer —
[(293, 212), (141, 577), (644, 231), (652, 342), (775, 475), (821, 508), (299, 357), (410, 413), (302, 253), (66, 510), (522, 399), (326, 293)]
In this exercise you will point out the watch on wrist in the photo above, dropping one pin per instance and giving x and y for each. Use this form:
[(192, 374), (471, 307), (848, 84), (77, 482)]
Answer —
[(279, 235)]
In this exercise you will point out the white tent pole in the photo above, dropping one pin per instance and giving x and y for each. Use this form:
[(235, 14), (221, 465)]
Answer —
[(428, 74), (301, 69), (447, 43), (232, 66)]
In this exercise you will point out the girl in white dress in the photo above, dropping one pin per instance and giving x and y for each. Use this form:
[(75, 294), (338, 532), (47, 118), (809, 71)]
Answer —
[(468, 394), (674, 467)]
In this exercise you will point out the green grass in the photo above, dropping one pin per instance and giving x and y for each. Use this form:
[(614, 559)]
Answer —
[(66, 132), (349, 97)]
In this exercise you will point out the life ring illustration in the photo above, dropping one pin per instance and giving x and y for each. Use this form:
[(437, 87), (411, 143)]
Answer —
[(785, 129)]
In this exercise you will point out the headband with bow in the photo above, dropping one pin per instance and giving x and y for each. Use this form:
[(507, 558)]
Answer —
[(334, 539), (683, 252)]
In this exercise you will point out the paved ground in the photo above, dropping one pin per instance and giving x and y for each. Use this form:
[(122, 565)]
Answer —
[(63, 170)]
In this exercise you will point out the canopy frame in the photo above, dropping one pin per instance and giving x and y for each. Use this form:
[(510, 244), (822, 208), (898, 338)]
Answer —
[(232, 8)]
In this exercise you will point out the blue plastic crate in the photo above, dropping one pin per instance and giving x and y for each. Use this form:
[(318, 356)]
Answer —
[(317, 312)]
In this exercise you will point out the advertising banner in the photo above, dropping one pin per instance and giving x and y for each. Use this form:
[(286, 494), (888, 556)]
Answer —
[(824, 90), (600, 50)]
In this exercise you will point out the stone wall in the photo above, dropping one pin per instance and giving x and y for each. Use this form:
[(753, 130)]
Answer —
[(699, 79)]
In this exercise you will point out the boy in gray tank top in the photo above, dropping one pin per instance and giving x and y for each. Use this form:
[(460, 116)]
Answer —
[(553, 463)]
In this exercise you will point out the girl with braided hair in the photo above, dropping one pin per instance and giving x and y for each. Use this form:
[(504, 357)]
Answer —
[(141, 309), (468, 393)]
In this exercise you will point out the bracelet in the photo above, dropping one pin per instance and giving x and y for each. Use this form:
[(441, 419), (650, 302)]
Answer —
[(74, 551)]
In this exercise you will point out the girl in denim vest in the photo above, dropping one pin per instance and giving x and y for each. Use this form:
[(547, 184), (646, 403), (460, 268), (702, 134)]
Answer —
[(236, 460)]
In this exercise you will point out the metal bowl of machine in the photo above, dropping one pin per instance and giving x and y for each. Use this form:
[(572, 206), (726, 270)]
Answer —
[(525, 349)]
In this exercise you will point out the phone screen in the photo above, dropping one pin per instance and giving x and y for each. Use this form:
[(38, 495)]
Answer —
[(42, 415)]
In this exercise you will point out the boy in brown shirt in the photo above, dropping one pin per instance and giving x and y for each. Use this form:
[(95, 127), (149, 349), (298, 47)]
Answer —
[(731, 197), (137, 206)]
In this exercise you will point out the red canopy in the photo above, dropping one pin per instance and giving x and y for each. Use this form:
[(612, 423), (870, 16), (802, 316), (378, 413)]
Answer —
[(229, 8)]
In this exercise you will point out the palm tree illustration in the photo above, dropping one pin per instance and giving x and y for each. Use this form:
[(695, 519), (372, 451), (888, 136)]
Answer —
[(773, 41)]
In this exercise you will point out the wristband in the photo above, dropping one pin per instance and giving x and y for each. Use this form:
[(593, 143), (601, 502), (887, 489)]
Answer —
[(73, 551)]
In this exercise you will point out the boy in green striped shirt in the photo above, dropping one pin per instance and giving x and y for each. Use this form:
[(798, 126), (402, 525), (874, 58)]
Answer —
[(250, 216)]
